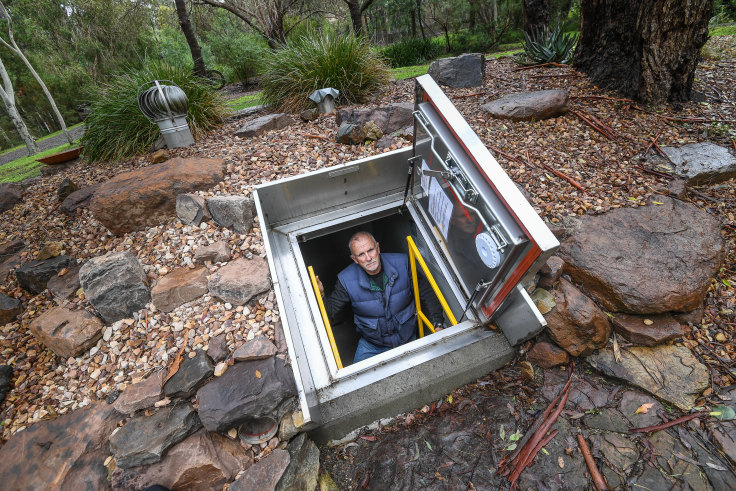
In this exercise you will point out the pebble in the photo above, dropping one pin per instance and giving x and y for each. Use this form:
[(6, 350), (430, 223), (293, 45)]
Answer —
[(220, 368), (162, 402)]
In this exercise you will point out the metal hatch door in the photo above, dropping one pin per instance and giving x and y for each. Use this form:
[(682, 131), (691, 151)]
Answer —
[(487, 231)]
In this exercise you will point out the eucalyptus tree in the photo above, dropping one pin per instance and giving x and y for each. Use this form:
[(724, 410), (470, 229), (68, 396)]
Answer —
[(7, 94)]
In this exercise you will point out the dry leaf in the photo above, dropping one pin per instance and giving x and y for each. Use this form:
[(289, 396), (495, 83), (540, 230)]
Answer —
[(258, 374), (177, 359), (561, 462), (369, 438), (616, 349), (644, 408)]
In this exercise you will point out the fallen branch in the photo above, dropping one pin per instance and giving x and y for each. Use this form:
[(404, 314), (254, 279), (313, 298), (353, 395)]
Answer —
[(560, 65), (554, 75), (598, 480), (654, 172), (653, 142), (602, 97), (599, 127), (664, 426), (309, 135)]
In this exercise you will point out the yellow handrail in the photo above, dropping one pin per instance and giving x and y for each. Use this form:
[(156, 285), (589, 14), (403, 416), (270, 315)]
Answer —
[(414, 254), (322, 310)]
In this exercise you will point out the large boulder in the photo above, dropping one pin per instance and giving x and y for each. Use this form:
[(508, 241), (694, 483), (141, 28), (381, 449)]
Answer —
[(67, 332), (529, 106), (247, 390), (653, 259), (10, 195), (388, 118), (576, 323), (10, 309), (146, 197), (264, 124), (34, 275), (702, 163), (115, 284), (202, 462), (466, 70), (240, 280), (68, 452), (180, 286)]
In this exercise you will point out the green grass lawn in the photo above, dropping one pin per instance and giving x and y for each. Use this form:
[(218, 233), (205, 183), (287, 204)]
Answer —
[(723, 31), (40, 139), (27, 166), (245, 101)]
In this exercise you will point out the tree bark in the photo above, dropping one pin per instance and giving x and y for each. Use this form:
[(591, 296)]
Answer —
[(536, 15), (356, 9), (8, 97), (647, 50), (188, 30)]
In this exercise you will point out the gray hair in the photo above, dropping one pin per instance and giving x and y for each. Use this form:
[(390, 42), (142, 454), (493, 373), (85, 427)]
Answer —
[(358, 235)]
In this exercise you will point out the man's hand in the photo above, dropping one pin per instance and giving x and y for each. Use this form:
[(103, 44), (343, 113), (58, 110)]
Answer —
[(320, 286)]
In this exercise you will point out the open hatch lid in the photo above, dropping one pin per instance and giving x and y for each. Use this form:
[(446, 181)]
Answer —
[(488, 232)]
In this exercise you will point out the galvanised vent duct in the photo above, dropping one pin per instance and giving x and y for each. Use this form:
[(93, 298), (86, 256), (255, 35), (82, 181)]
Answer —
[(166, 105)]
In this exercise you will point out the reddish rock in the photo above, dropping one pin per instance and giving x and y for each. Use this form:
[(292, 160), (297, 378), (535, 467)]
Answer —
[(65, 332), (648, 260), (146, 197), (576, 323), (256, 349), (694, 317), (160, 155), (215, 253), (264, 474), (203, 461), (547, 355), (10, 309), (10, 256), (10, 195), (142, 395), (180, 286), (647, 330), (552, 268), (65, 286), (240, 280), (65, 453), (79, 199), (264, 124)]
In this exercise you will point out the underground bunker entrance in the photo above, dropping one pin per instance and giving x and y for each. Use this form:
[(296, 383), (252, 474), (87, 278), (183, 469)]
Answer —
[(329, 254)]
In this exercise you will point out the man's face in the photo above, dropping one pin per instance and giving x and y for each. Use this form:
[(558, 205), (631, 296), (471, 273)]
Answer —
[(365, 253)]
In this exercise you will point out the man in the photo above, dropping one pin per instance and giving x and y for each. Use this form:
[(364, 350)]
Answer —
[(379, 288)]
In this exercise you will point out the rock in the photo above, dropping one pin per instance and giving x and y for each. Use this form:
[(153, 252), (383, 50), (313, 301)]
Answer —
[(201, 462), (529, 106), (10, 256), (247, 111), (718, 477), (543, 299), (303, 468), (547, 355), (309, 114), (147, 196), (115, 284), (256, 349), (143, 394), (694, 317), (64, 453), (240, 394), (326, 483), (619, 451), (240, 280), (264, 124), (583, 395), (647, 330), (65, 332), (10, 195), (384, 143), (160, 155), (49, 250), (191, 209), (350, 134), (6, 373), (178, 287), (677, 188), (79, 199), (66, 188), (671, 373), (372, 131), (233, 212), (466, 70), (10, 309), (631, 400), (264, 474), (192, 373), (551, 272), (647, 260), (607, 419), (702, 163), (64, 286), (389, 118), (217, 348), (144, 439), (290, 425), (280, 337), (576, 324), (34, 275), (219, 252)]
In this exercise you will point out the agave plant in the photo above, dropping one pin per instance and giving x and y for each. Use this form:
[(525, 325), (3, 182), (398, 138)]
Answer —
[(546, 45)]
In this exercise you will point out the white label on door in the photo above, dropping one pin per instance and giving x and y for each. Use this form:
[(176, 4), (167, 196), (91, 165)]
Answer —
[(440, 207)]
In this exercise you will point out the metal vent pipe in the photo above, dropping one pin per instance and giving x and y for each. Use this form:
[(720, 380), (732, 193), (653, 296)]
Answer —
[(166, 105)]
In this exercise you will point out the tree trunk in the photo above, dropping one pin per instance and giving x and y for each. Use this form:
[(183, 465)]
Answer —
[(8, 97), (536, 15), (419, 18), (186, 27), (355, 15), (647, 50)]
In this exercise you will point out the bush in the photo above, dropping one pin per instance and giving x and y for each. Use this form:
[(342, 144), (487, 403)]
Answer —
[(413, 51), (242, 56), (319, 60), (116, 128), (549, 45)]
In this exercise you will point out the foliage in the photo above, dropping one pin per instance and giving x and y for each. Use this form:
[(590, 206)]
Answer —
[(317, 60), (116, 128), (245, 101), (412, 51), (724, 12), (27, 166), (405, 72), (723, 31), (243, 55), (549, 45)]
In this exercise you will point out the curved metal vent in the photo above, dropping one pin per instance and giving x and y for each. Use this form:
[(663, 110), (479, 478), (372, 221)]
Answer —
[(164, 103)]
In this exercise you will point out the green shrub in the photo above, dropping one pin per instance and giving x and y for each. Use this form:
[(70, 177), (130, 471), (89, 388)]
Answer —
[(413, 51), (242, 56), (319, 60), (116, 128), (549, 45)]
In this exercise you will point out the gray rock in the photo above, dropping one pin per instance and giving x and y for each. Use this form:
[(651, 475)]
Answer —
[(115, 284), (648, 260), (10, 309), (631, 400), (66, 332), (372, 131), (309, 114), (256, 349), (247, 111), (66, 286), (66, 188), (191, 209), (389, 118), (240, 394), (145, 439), (264, 474), (350, 134), (218, 252), (702, 163), (6, 373), (141, 395), (178, 287), (647, 330), (217, 348), (240, 280), (620, 453), (529, 106), (583, 395), (261, 125), (719, 478), (10, 195), (79, 199), (671, 373), (303, 469), (33, 276), (234, 212), (192, 373), (10, 256), (466, 70), (608, 420), (724, 432), (290, 425)]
